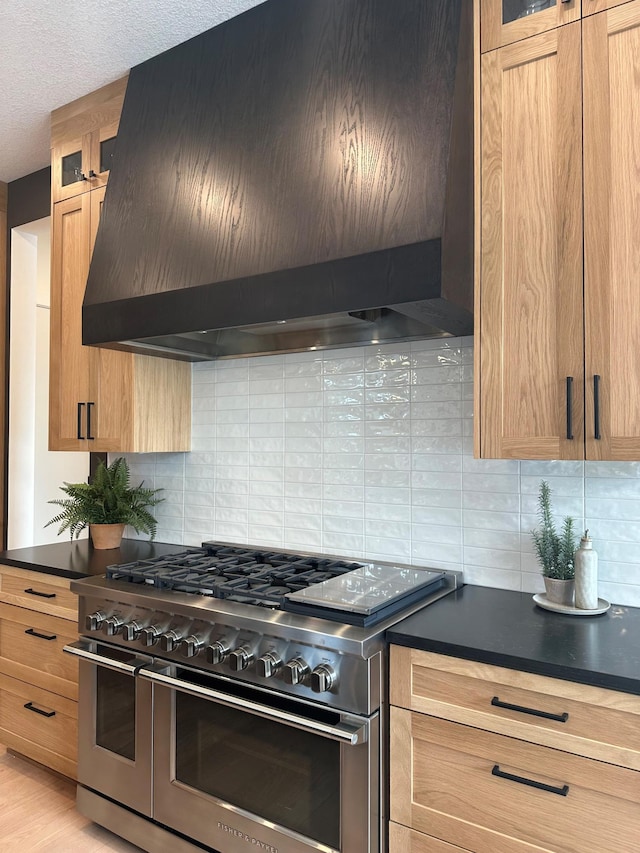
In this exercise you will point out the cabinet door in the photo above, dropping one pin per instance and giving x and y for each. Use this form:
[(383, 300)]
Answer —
[(109, 415), (69, 360), (70, 167), (612, 223), (90, 389), (507, 21), (102, 148), (591, 7), (531, 326)]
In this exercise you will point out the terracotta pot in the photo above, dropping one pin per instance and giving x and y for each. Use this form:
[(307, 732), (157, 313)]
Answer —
[(559, 592), (105, 536)]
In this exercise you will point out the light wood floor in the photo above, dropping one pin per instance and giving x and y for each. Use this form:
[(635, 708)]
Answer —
[(37, 812)]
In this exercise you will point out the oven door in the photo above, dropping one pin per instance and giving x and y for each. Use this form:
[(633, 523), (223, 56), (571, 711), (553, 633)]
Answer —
[(114, 723), (239, 768)]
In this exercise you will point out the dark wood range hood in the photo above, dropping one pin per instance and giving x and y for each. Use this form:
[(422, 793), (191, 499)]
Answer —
[(297, 177)]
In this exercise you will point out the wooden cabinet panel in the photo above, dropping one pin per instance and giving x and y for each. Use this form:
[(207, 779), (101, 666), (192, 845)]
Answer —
[(100, 400), (531, 329), (591, 7), (560, 123), (38, 591), (611, 45), (31, 649), (458, 791), (601, 724), (115, 401), (39, 724), (506, 21), (90, 390), (69, 376), (405, 840)]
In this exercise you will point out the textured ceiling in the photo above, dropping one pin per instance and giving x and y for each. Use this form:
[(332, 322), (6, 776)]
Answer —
[(54, 52)]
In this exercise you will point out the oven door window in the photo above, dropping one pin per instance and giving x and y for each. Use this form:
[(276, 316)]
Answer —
[(280, 773), (116, 712)]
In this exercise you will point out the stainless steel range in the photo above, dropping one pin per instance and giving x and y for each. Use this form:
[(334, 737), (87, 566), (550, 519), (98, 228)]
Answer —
[(234, 698)]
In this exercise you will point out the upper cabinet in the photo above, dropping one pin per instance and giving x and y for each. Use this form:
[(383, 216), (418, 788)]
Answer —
[(508, 21), (558, 367), (100, 400), (83, 138), (82, 164)]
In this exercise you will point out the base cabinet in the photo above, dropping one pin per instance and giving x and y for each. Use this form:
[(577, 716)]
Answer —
[(38, 683), (485, 759)]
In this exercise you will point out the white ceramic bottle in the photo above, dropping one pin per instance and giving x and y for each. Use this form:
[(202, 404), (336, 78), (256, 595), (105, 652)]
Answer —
[(586, 566)]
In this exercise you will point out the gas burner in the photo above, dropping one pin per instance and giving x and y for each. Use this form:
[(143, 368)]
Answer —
[(243, 575)]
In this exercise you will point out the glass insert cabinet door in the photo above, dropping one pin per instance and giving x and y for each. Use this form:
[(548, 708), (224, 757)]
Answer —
[(504, 22)]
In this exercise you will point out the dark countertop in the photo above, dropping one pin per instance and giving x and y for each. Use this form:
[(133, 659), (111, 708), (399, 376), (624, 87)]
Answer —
[(79, 559), (508, 629)]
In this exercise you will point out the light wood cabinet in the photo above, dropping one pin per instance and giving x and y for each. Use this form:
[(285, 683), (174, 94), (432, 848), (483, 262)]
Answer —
[(83, 164), (556, 374), (38, 683), (101, 400), (485, 758), (507, 21)]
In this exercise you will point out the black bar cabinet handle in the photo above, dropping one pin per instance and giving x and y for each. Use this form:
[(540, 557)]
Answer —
[(596, 407), (31, 591), (89, 436), (522, 780), (80, 435), (31, 707), (560, 718), (34, 633), (570, 407)]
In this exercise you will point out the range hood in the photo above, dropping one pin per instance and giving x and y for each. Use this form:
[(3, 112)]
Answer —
[(298, 177)]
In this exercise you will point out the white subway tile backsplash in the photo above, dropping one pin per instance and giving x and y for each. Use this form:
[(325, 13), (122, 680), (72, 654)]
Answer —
[(368, 453)]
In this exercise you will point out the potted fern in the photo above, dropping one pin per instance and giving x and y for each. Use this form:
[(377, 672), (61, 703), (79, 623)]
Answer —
[(555, 551), (107, 503)]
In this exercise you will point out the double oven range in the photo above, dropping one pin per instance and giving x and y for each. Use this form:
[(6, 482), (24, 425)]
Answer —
[(234, 698)]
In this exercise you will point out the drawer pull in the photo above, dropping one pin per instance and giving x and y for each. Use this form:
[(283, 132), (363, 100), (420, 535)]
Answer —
[(31, 591), (34, 633), (562, 792), (31, 707), (560, 718)]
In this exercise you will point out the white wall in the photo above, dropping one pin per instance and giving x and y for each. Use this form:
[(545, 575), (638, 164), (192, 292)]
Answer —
[(35, 473), (368, 453)]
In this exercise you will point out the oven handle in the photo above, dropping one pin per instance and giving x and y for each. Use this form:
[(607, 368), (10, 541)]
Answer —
[(346, 733), (83, 649)]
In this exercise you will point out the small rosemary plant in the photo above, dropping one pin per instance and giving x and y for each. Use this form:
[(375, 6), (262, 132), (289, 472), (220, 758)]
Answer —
[(555, 550)]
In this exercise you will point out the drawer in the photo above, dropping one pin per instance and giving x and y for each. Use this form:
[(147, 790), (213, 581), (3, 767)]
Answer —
[(38, 591), (31, 649), (39, 724), (405, 840), (486, 792), (591, 721)]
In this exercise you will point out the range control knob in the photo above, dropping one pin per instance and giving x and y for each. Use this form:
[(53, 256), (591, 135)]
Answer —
[(191, 645), (240, 659), (131, 631), (268, 665), (217, 651), (111, 626), (150, 635), (295, 671), (170, 641), (323, 678), (94, 621)]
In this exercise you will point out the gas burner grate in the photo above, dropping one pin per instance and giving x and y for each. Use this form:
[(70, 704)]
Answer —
[(243, 575)]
